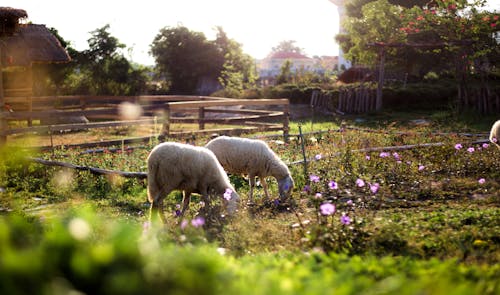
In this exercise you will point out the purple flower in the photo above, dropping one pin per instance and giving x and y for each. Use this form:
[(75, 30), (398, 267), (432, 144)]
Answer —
[(327, 209), (384, 154), (177, 213), (421, 167), (458, 146), (198, 221), (184, 223), (276, 202), (360, 182), (470, 150), (485, 145), (314, 178), (306, 188), (344, 219), (318, 157), (494, 139), (349, 202), (333, 185), (228, 194), (374, 187), (396, 156), (481, 180)]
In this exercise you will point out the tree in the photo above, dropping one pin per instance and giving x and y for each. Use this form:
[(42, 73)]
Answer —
[(285, 74), (238, 71), (105, 69), (288, 46), (186, 58)]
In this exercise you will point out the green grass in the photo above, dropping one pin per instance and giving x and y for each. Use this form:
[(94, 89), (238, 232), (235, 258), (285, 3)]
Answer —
[(432, 226)]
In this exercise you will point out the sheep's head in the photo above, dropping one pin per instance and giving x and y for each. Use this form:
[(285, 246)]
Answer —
[(285, 187)]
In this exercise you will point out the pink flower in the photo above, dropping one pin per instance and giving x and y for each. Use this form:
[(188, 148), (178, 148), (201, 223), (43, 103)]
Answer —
[(314, 178), (333, 185), (384, 154), (344, 219), (198, 221), (481, 180), (421, 167), (360, 182), (318, 157), (318, 195), (367, 157), (327, 209), (228, 194), (470, 150), (458, 146), (485, 145), (374, 187)]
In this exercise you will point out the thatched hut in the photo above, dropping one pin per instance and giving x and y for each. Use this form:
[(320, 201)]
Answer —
[(22, 45)]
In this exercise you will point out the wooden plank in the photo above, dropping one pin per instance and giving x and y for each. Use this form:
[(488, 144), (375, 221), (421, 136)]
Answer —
[(62, 127), (229, 102)]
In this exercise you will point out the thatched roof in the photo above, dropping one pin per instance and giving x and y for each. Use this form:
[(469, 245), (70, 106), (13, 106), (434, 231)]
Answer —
[(9, 12), (32, 44)]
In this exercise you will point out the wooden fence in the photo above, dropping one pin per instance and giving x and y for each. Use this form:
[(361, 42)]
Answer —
[(104, 111), (251, 119)]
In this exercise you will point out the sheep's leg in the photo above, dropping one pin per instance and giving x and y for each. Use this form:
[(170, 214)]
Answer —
[(157, 210), (251, 179), (186, 198), (264, 186)]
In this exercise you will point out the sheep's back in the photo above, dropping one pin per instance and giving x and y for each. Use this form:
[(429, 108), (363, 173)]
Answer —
[(241, 155), (180, 163)]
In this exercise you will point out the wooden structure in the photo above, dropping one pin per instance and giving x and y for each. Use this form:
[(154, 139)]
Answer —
[(21, 45), (253, 120), (104, 112), (479, 98)]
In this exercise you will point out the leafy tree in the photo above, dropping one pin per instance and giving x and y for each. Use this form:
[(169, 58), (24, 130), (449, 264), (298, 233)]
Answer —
[(238, 71), (285, 74), (379, 23), (288, 46), (106, 71), (186, 58)]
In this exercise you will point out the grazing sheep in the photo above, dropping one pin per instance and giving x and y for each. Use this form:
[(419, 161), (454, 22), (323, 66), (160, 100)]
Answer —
[(495, 133), (177, 166), (255, 158)]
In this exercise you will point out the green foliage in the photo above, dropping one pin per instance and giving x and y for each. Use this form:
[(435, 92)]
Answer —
[(421, 220)]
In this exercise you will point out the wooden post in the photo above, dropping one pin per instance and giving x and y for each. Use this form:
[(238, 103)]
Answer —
[(29, 77), (380, 85), (286, 113), (201, 118), (166, 122), (3, 119)]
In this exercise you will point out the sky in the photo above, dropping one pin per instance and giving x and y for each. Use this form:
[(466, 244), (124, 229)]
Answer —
[(258, 25)]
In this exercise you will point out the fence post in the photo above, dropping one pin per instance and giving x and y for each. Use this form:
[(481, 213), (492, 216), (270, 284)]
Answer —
[(201, 118), (286, 113), (165, 131)]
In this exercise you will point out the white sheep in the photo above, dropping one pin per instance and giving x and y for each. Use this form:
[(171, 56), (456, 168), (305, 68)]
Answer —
[(495, 133), (252, 157), (177, 166)]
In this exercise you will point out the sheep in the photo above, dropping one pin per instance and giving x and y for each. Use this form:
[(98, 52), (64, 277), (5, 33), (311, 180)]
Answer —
[(178, 166), (495, 133), (252, 157)]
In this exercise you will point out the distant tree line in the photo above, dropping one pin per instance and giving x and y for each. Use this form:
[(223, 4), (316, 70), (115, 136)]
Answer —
[(185, 63)]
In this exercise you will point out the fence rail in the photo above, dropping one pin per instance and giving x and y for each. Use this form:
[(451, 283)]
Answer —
[(155, 109)]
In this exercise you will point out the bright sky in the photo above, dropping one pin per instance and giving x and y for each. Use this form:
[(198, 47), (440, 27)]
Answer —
[(258, 25)]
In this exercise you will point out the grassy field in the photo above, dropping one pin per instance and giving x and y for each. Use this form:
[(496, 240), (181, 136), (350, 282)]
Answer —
[(369, 215)]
